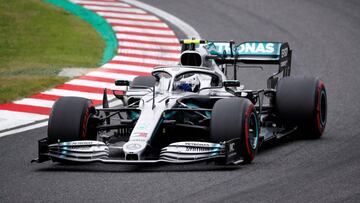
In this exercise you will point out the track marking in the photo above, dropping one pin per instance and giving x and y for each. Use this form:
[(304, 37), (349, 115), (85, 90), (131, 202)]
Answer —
[(143, 30), (106, 3), (23, 129), (35, 102), (147, 39), (111, 75), (72, 93), (110, 8), (159, 24), (157, 53), (143, 60), (128, 16), (154, 49), (145, 45)]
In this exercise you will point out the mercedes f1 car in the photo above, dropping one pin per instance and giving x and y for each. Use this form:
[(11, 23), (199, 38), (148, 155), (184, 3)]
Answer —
[(190, 112)]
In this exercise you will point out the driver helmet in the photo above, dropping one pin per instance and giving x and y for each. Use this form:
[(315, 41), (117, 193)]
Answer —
[(189, 84)]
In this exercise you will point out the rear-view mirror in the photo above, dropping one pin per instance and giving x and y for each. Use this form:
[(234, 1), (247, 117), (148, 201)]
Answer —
[(122, 83), (231, 83)]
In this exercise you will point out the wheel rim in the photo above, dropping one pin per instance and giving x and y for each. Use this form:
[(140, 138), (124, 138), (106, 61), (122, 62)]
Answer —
[(253, 131)]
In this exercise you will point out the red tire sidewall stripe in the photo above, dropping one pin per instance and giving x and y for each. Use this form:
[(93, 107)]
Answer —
[(85, 121), (320, 87), (246, 129)]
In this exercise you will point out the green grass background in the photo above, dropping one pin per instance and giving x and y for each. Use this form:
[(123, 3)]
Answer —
[(37, 40)]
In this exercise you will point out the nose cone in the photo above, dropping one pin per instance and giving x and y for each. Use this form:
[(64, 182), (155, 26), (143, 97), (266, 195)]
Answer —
[(133, 147)]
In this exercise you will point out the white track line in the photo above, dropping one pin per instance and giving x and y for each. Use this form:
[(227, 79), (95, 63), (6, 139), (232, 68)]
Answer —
[(21, 115), (23, 129), (14, 119)]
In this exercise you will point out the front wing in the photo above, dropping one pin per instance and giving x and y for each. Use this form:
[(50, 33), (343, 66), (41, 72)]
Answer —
[(88, 151)]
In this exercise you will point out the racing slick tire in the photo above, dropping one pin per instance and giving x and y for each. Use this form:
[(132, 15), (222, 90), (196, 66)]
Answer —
[(144, 81), (302, 102), (69, 120), (236, 118)]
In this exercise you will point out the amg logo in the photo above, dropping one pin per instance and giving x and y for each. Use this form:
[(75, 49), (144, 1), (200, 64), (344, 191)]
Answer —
[(196, 149)]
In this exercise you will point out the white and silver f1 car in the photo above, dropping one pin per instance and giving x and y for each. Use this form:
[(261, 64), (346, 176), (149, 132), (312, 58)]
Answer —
[(190, 112)]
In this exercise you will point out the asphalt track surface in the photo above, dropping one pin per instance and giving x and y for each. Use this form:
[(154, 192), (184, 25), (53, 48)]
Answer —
[(325, 38)]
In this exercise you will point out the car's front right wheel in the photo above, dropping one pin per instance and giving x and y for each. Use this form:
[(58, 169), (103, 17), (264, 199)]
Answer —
[(69, 120)]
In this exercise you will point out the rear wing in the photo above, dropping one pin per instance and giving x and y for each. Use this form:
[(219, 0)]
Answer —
[(278, 53)]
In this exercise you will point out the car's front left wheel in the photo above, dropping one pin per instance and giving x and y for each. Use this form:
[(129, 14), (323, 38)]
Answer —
[(236, 118)]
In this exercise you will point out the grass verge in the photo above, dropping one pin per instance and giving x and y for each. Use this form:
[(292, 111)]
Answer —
[(37, 40)]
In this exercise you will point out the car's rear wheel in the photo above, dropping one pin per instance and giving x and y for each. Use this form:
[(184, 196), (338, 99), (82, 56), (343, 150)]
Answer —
[(236, 118), (69, 120), (302, 102)]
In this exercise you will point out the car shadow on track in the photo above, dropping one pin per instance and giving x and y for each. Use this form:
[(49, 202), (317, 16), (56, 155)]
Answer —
[(98, 167), (287, 140)]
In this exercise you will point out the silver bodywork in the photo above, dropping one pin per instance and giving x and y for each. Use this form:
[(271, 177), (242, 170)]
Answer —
[(152, 106), (154, 102)]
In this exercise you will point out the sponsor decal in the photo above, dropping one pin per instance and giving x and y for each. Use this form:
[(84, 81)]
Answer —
[(197, 149), (80, 143), (138, 140), (247, 48), (256, 48), (133, 146), (140, 134), (142, 126), (197, 144), (232, 147), (218, 48)]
